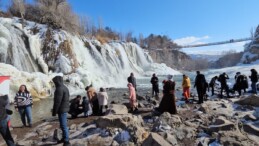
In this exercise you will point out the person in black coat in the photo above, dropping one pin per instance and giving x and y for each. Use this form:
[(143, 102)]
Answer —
[(212, 84), (61, 107), (254, 80), (241, 83), (224, 86), (155, 89), (167, 103), (4, 129), (200, 85), (75, 107), (132, 80)]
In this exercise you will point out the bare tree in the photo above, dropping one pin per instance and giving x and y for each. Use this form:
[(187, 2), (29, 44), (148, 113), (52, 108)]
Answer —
[(129, 36), (17, 8)]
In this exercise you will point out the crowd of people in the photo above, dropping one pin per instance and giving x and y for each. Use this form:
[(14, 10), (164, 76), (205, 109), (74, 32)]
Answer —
[(96, 103)]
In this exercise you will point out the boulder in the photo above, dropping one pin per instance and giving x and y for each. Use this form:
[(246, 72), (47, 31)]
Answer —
[(167, 118), (171, 139), (252, 100), (117, 109), (155, 140), (119, 121)]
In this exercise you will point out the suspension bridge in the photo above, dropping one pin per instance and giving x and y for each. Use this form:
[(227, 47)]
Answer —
[(217, 43)]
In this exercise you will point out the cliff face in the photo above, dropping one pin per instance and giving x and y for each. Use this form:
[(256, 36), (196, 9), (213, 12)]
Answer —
[(251, 54), (172, 58)]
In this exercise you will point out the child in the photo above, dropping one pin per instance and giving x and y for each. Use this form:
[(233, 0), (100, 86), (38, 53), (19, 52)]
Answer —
[(86, 107)]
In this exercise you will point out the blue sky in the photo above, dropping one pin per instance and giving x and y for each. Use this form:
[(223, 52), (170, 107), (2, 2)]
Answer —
[(185, 21)]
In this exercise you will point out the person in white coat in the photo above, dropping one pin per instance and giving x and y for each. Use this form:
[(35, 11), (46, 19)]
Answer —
[(102, 97)]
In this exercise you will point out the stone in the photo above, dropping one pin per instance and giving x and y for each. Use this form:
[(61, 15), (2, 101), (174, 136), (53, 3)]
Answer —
[(25, 143), (171, 139), (251, 128), (252, 100), (155, 140), (167, 118), (221, 124), (119, 121), (57, 134), (204, 108), (117, 109), (250, 117), (141, 105), (140, 97), (138, 133), (73, 127)]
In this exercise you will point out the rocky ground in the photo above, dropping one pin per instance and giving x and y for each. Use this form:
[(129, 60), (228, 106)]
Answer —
[(228, 122)]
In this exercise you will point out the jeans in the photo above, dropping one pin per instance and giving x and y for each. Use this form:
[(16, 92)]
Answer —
[(63, 125), (253, 85), (5, 132), (26, 111)]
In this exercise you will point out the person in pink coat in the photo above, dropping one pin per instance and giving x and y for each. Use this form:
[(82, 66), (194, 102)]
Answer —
[(132, 97)]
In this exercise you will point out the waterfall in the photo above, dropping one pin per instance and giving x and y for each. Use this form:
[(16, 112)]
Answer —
[(82, 60)]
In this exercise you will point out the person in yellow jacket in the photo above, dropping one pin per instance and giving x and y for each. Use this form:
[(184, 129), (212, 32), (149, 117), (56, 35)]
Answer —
[(186, 84)]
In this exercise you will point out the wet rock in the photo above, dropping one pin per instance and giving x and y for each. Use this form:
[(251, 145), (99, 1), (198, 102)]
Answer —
[(117, 109), (155, 140)]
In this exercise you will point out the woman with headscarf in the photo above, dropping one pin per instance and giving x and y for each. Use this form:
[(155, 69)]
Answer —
[(132, 97), (167, 103)]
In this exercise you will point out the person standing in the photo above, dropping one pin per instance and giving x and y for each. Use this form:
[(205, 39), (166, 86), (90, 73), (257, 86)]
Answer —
[(4, 129), (200, 85), (241, 83), (186, 84), (132, 80), (61, 107), (167, 103), (103, 101), (92, 96), (254, 80), (23, 104), (223, 82), (132, 97), (155, 86), (212, 84)]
